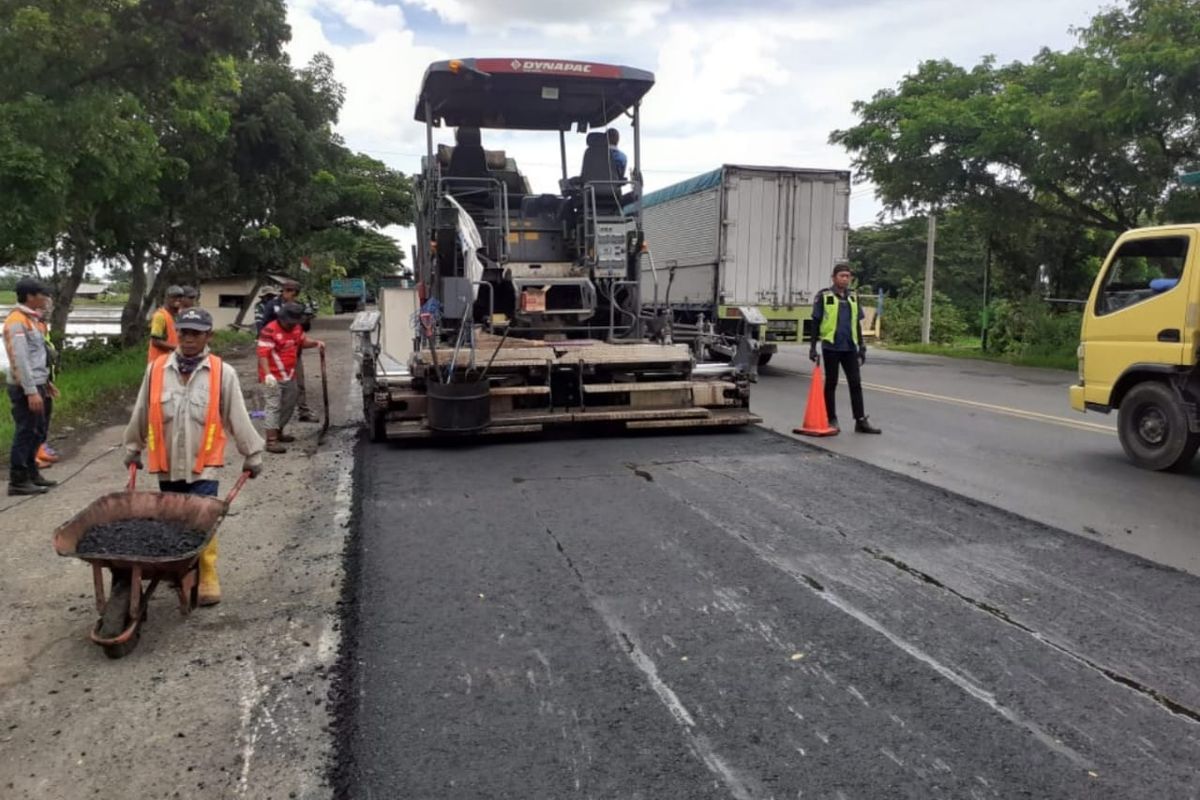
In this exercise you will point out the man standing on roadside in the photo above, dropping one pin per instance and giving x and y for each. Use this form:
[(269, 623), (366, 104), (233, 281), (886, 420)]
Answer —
[(190, 401), (289, 292), (30, 392), (279, 347), (191, 296), (837, 326), (163, 339)]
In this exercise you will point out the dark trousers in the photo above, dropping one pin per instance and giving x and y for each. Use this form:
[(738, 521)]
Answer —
[(203, 488), (848, 361), (30, 429)]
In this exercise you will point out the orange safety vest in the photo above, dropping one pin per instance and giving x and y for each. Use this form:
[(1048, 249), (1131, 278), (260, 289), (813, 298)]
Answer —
[(212, 449), (172, 337)]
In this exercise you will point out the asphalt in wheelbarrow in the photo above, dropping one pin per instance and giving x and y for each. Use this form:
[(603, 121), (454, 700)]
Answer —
[(144, 538)]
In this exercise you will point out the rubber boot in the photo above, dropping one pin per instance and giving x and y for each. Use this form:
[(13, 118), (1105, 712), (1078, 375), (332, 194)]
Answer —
[(283, 437), (35, 477), (273, 443), (19, 483), (210, 587), (306, 415)]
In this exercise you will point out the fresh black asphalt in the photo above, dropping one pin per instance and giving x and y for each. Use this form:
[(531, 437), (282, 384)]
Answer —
[(737, 615)]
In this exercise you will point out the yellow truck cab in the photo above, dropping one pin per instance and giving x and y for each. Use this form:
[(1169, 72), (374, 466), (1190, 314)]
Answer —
[(1138, 345)]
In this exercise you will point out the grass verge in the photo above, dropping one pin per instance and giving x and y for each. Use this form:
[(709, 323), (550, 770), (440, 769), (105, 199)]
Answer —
[(967, 348), (96, 386)]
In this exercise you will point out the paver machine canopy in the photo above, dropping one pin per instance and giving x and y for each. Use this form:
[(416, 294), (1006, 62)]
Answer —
[(535, 264)]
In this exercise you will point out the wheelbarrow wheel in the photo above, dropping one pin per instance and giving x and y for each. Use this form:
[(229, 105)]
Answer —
[(115, 618)]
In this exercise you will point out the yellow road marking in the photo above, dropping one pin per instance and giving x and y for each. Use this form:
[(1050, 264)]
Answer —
[(1049, 419)]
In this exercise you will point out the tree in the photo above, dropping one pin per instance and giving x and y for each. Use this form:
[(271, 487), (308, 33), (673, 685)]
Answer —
[(1095, 136)]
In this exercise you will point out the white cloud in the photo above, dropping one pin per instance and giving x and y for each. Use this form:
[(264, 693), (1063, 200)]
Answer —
[(492, 17), (757, 83)]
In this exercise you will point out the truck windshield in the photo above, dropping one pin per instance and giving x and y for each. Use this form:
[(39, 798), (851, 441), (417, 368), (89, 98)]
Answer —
[(1142, 269)]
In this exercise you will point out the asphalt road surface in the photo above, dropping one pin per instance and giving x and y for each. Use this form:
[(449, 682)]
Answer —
[(740, 615), (1007, 436)]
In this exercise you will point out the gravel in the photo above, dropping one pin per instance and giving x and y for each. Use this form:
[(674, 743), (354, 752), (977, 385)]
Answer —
[(140, 537)]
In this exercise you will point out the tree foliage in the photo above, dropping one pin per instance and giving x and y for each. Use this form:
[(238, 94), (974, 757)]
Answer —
[(1096, 136), (177, 137)]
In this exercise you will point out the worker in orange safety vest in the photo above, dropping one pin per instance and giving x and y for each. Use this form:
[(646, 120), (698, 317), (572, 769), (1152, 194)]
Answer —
[(163, 336), (190, 402)]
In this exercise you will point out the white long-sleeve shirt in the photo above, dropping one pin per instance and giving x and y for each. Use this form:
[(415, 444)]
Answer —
[(188, 402)]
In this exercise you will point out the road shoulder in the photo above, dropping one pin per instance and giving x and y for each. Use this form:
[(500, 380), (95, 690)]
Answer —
[(230, 702)]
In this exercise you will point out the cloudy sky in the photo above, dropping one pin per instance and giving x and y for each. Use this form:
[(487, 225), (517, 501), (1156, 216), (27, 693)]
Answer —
[(737, 82)]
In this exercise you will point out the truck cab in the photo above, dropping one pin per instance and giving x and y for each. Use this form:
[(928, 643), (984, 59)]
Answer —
[(1138, 345)]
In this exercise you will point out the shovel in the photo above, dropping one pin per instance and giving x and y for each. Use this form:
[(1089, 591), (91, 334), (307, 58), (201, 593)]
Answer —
[(324, 398)]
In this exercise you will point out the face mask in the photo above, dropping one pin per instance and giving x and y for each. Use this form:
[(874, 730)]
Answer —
[(188, 365)]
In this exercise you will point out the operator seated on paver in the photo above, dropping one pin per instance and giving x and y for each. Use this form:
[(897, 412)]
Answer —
[(279, 347), (198, 389), (289, 292), (163, 339), (837, 326), (30, 391), (620, 161)]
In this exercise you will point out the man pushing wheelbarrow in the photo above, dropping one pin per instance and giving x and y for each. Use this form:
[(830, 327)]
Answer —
[(189, 404)]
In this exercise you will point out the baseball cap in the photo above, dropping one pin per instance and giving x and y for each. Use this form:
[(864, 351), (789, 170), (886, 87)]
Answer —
[(190, 291), (289, 284), (194, 319), (30, 286), (175, 291)]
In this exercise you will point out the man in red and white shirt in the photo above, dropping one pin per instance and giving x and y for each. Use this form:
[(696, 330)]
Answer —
[(279, 346)]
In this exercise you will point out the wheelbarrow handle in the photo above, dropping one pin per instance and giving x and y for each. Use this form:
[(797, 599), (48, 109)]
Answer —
[(237, 488)]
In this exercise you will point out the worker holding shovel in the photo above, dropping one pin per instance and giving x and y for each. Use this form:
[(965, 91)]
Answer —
[(189, 403), (279, 346)]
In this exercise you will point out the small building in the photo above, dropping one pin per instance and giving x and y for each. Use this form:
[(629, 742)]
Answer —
[(91, 291), (224, 298)]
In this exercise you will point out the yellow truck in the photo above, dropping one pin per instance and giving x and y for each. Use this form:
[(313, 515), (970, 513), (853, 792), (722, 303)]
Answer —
[(1138, 345)]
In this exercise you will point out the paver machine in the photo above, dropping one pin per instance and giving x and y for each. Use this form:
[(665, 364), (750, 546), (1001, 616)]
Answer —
[(525, 308)]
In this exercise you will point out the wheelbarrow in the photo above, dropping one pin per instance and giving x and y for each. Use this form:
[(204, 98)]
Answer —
[(123, 611)]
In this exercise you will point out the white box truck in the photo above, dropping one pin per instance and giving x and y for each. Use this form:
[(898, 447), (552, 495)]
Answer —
[(744, 237)]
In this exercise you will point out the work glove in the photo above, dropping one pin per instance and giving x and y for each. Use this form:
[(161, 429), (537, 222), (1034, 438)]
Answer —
[(132, 457), (254, 469), (812, 355), (270, 381), (862, 356)]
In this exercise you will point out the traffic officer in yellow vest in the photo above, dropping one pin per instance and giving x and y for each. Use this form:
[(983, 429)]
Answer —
[(190, 401), (837, 326)]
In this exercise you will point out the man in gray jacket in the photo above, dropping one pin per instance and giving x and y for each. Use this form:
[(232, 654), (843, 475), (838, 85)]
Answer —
[(30, 391)]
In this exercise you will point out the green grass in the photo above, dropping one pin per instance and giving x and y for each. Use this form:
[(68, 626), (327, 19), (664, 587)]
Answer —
[(9, 298), (92, 385), (85, 390), (970, 347)]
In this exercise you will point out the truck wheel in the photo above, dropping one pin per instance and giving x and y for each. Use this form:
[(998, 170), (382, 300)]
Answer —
[(1153, 428), (764, 359)]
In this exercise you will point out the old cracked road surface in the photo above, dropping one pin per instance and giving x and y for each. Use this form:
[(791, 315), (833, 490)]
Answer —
[(743, 616)]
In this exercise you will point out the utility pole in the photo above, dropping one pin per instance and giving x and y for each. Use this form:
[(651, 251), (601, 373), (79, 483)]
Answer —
[(987, 281), (927, 313)]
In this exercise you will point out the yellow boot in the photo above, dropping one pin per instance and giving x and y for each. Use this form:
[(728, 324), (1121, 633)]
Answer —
[(210, 587)]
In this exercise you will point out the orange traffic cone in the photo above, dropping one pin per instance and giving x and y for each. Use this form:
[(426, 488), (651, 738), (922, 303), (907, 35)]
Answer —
[(816, 418)]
